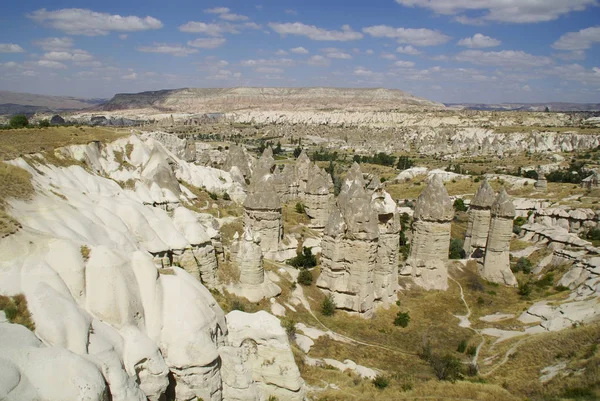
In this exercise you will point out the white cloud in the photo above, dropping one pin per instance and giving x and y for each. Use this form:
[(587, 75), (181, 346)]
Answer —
[(281, 52), (269, 70), (78, 21), (9, 64), (277, 62), (580, 40), (299, 50), (404, 64), (123, 36), (71, 55), (217, 10), (94, 64), (30, 73), (10, 48), (207, 43), (319, 60), (233, 17), (51, 64), (336, 53), (50, 44), (289, 11), (369, 51), (574, 55), (315, 33), (516, 11), (218, 29), (388, 56), (479, 41), (526, 88), (408, 49), (131, 76), (417, 37), (504, 58), (163, 48)]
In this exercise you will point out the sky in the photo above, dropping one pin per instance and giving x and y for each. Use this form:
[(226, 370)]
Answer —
[(452, 51)]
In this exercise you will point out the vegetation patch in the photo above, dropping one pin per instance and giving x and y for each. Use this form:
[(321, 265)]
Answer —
[(16, 310)]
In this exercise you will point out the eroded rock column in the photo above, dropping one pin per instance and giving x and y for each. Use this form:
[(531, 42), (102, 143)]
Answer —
[(479, 221), (318, 197), (496, 265), (431, 237)]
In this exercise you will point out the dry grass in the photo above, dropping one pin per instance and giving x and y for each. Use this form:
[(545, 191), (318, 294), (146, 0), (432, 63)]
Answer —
[(16, 310), (15, 183), (19, 142)]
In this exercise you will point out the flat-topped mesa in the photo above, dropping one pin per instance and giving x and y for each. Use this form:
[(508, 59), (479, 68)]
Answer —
[(349, 252), (496, 265), (478, 224), (318, 197), (239, 158), (542, 183), (248, 256), (431, 237), (262, 213), (303, 168), (386, 271)]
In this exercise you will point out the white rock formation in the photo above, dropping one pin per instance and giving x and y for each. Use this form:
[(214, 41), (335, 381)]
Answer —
[(184, 148), (349, 248), (253, 284), (427, 261), (318, 197), (496, 264), (478, 224), (264, 349), (385, 281)]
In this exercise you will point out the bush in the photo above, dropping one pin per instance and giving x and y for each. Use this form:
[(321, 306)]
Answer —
[(303, 260), (44, 124), (297, 152), (456, 250), (545, 281), (381, 382), (290, 327), (524, 288), (523, 265), (328, 306), (18, 121), (238, 305), (300, 208), (472, 350), (517, 223), (226, 196), (462, 346), (459, 205), (213, 196), (402, 319), (446, 367), (305, 277), (593, 234)]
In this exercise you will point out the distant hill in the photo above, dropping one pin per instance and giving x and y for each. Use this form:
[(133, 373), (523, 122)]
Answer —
[(27, 103), (552, 106), (243, 98)]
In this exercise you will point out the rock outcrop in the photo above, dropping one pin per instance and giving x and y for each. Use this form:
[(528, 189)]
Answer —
[(318, 197), (478, 224), (247, 254), (349, 249), (184, 148), (542, 183), (237, 157), (496, 264), (262, 214), (303, 169), (427, 261), (286, 183), (385, 281)]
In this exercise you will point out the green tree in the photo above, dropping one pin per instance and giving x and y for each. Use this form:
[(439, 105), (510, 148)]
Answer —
[(456, 249), (18, 121), (328, 306), (402, 319), (297, 152), (459, 205), (44, 123)]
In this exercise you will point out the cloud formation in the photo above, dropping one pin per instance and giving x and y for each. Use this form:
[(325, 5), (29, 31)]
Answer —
[(315, 33), (479, 41), (416, 37)]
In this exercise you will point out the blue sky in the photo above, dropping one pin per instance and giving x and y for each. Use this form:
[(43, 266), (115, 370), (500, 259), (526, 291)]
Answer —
[(479, 51)]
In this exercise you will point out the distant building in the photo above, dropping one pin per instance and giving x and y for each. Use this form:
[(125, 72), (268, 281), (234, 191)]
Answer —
[(593, 181)]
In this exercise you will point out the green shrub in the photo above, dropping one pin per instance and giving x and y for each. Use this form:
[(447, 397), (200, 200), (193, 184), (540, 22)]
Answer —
[(524, 288), (303, 260), (290, 327), (456, 250), (446, 367), (381, 382), (545, 281), (328, 306), (305, 277), (238, 305), (226, 196), (462, 346), (459, 205), (18, 121), (44, 124), (402, 319), (213, 195), (593, 234), (523, 265), (300, 209), (472, 350)]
